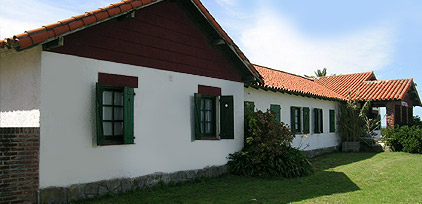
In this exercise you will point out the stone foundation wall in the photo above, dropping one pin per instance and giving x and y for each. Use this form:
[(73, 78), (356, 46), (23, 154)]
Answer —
[(19, 165), (115, 186), (316, 152)]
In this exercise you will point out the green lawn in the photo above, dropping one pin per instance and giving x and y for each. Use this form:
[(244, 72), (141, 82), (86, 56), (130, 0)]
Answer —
[(339, 178)]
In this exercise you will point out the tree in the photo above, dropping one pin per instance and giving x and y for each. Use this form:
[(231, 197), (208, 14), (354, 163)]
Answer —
[(319, 73)]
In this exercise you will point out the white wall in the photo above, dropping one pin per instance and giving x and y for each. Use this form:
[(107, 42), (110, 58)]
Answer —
[(263, 99), (163, 123), (383, 113), (20, 88)]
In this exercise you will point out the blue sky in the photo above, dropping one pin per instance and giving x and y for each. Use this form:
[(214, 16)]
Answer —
[(295, 36)]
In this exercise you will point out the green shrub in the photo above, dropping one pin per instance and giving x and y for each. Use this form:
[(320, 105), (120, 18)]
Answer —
[(353, 121), (416, 121), (267, 150), (404, 138), (389, 138)]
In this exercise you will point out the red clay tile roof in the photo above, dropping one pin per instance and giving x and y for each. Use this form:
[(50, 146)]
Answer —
[(283, 81), (61, 28), (382, 90), (364, 87), (361, 86), (344, 83)]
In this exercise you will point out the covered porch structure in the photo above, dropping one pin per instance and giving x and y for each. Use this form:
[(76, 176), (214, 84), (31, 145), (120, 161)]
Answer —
[(398, 96)]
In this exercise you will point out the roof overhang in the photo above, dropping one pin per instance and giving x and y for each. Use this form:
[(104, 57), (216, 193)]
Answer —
[(194, 9), (295, 93), (414, 95)]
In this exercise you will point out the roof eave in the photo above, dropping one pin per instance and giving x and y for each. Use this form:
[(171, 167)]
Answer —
[(15, 44), (297, 93)]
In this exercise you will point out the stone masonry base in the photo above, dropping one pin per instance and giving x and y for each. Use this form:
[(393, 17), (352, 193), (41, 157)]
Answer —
[(316, 152), (115, 186)]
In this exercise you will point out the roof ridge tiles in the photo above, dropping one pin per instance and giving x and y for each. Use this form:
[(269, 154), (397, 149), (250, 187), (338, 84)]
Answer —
[(358, 73), (282, 71)]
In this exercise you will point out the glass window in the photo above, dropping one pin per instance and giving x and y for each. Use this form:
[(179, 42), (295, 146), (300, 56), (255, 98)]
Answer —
[(114, 115), (208, 113)]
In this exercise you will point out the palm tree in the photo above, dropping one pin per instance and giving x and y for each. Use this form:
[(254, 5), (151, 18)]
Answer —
[(319, 73)]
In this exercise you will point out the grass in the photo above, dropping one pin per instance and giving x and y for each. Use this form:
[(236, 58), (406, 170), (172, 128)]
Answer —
[(339, 178)]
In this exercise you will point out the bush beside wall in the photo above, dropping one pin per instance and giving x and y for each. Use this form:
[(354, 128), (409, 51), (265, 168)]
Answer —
[(267, 150), (404, 138)]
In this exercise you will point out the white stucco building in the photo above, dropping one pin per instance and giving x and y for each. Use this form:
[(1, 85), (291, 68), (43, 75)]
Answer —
[(121, 98), (139, 92)]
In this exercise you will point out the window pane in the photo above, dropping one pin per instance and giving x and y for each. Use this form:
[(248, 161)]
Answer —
[(208, 104), (202, 127), (118, 113), (207, 127), (108, 97), (107, 128), (208, 116), (107, 113), (118, 98), (118, 128), (202, 116), (202, 104)]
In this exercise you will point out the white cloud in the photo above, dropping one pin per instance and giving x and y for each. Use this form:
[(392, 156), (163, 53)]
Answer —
[(276, 42), (232, 8)]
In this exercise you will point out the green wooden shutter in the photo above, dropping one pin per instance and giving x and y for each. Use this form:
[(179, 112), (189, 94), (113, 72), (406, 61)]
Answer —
[(128, 123), (299, 120), (332, 121), (321, 121), (99, 113), (197, 115), (292, 119), (276, 109), (305, 120), (316, 118), (226, 117)]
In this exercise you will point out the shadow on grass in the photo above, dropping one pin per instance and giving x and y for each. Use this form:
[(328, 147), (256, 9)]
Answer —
[(332, 160), (321, 184), (239, 189)]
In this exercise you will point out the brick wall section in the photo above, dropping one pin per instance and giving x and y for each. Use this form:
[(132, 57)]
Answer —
[(19, 165), (391, 113)]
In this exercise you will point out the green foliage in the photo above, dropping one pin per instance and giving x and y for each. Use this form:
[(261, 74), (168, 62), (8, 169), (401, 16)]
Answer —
[(267, 150), (321, 73), (389, 138), (318, 73), (416, 121), (353, 122), (404, 138)]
